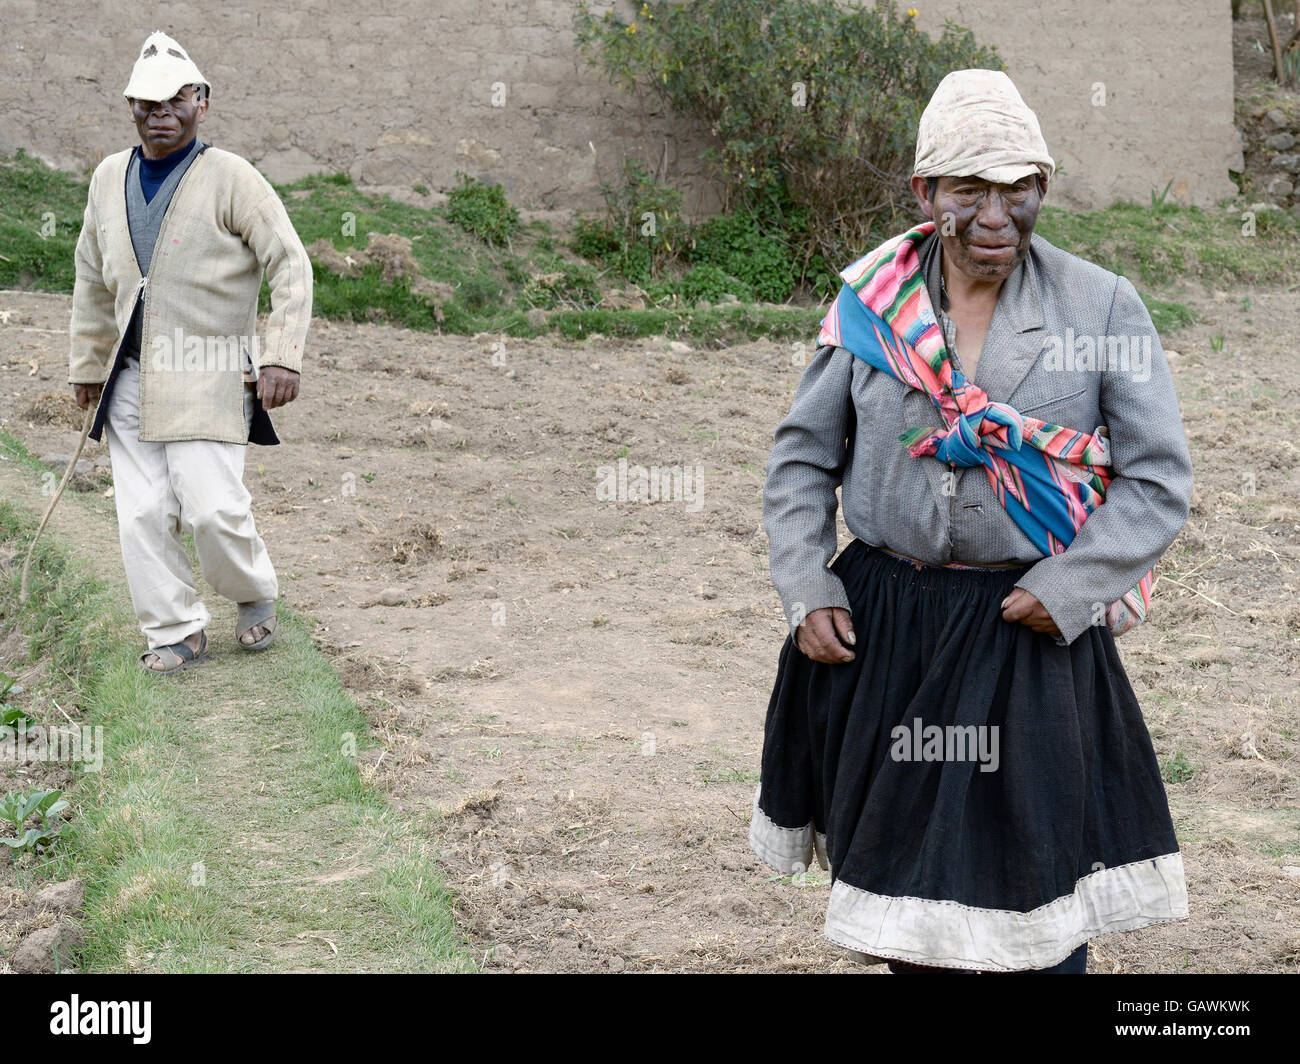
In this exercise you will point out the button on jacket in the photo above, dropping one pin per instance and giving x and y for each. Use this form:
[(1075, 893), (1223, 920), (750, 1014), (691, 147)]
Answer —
[(224, 227), (843, 427)]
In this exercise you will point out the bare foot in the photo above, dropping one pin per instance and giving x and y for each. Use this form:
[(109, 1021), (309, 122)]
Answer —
[(258, 632), (153, 661), (253, 635)]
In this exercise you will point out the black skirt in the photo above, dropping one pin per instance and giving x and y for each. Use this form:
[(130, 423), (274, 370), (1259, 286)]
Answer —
[(983, 797)]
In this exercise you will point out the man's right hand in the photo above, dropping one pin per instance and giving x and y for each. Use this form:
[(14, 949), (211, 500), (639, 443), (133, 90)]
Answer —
[(824, 633), (87, 394)]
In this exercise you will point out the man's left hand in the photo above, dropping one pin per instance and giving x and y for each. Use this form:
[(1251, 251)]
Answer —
[(276, 386), (1024, 608)]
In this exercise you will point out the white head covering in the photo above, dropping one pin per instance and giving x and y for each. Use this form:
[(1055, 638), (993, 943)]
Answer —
[(977, 125), (162, 70)]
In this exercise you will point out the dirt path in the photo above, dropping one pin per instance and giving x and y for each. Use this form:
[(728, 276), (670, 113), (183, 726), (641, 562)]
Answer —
[(577, 687)]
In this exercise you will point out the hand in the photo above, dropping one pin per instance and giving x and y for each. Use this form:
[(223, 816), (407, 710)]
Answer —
[(87, 395), (824, 633), (276, 386), (1022, 607)]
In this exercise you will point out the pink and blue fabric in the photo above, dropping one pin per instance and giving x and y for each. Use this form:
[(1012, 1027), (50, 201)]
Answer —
[(1047, 477)]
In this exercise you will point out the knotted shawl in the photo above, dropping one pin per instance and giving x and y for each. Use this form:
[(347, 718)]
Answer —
[(1049, 479)]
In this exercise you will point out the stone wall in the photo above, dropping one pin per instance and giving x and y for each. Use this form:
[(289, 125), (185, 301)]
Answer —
[(409, 96), (1273, 155)]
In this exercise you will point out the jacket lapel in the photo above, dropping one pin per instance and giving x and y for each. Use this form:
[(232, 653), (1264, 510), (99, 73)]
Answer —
[(1015, 338)]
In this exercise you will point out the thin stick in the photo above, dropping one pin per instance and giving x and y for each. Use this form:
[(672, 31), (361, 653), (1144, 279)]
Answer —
[(1179, 583), (1272, 36), (86, 422)]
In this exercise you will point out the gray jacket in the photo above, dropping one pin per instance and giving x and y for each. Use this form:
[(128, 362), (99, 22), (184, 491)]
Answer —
[(843, 428)]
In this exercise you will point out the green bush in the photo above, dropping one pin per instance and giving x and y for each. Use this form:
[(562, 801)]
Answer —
[(479, 292), (811, 103), (711, 283), (643, 230), (662, 292), (482, 209), (570, 285), (515, 270), (595, 239), (738, 244)]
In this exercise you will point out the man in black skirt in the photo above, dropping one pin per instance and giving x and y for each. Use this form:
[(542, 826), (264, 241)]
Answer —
[(951, 730)]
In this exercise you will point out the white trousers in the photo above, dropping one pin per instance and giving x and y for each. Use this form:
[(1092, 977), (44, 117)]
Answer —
[(162, 489)]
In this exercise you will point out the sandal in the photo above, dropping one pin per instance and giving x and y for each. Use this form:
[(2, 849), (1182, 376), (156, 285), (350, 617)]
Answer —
[(251, 615), (183, 656)]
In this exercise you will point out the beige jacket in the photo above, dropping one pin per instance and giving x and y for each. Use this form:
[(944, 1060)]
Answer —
[(224, 226)]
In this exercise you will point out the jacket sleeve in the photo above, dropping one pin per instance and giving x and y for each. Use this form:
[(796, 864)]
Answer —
[(803, 472), (94, 324), (267, 230), (1148, 500)]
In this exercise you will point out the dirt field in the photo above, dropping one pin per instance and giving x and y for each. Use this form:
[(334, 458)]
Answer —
[(579, 685)]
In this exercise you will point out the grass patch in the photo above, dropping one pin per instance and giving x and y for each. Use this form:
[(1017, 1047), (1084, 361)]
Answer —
[(730, 324), (331, 208), (708, 772), (1177, 769), (228, 830), (496, 284), (1168, 315), (1160, 245), (40, 218)]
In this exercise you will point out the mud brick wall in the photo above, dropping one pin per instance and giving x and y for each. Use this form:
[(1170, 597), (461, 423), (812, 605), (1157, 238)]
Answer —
[(407, 96), (1166, 70)]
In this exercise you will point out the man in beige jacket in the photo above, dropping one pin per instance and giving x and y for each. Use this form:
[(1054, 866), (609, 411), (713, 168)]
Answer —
[(174, 243)]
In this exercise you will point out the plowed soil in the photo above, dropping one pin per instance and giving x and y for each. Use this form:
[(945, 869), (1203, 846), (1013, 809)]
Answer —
[(576, 686)]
